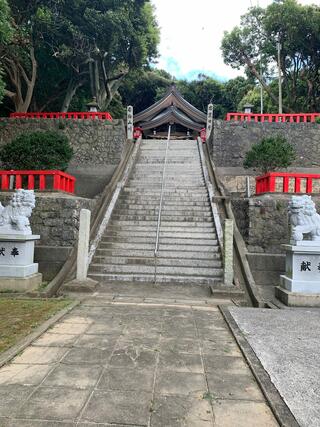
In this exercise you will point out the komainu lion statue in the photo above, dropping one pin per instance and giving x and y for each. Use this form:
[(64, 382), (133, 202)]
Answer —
[(14, 218), (304, 218)]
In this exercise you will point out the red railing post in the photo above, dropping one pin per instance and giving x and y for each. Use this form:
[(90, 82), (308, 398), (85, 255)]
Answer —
[(42, 182), (30, 182), (56, 182), (272, 183), (18, 182), (309, 185), (297, 184), (4, 182), (285, 184), (63, 184)]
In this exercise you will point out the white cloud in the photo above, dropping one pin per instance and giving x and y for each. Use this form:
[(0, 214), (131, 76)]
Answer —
[(191, 33)]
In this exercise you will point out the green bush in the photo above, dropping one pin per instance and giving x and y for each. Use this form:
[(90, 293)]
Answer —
[(317, 120), (38, 151), (270, 154)]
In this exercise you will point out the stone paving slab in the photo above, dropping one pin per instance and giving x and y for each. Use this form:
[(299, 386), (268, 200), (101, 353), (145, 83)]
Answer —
[(151, 365), (287, 343)]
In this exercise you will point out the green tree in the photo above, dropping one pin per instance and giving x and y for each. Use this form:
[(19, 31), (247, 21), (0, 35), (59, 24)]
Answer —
[(101, 41), (95, 42), (203, 91), (270, 154), (141, 88), (37, 150), (235, 90), (5, 36), (253, 45)]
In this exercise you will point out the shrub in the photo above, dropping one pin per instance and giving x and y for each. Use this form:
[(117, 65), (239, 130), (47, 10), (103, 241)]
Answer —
[(37, 150), (317, 120), (270, 154)]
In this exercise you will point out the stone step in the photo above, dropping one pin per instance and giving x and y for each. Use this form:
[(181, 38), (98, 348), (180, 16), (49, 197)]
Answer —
[(167, 198), (163, 240), (149, 269), (148, 253), (141, 191), (118, 260), (166, 210), (172, 224), (113, 233), (165, 218), (159, 279), (176, 231), (166, 205), (162, 247), (151, 214)]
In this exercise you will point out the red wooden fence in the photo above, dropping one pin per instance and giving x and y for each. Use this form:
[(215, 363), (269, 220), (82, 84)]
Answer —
[(71, 115), (278, 118), (38, 180), (281, 180)]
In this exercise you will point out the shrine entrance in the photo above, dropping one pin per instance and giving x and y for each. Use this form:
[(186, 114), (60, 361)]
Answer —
[(186, 120)]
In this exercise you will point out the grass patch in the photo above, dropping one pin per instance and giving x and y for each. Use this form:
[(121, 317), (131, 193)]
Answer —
[(18, 317)]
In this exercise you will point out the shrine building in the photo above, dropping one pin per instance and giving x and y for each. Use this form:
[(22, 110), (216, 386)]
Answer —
[(186, 120)]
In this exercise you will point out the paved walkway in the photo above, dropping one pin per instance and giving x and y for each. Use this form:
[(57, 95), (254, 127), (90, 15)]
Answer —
[(134, 361), (287, 342)]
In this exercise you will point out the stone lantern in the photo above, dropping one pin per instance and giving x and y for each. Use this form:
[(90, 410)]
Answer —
[(248, 108), (93, 106)]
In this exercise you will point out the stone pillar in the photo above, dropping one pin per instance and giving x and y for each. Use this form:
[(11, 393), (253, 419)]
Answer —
[(248, 190), (228, 252), (83, 245), (130, 123), (209, 121)]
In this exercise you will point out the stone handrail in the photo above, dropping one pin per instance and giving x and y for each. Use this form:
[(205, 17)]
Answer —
[(69, 268), (238, 242)]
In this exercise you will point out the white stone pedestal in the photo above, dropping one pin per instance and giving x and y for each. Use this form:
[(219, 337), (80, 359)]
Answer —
[(18, 272), (301, 283)]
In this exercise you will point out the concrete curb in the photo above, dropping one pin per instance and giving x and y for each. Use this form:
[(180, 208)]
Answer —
[(279, 408), (26, 341)]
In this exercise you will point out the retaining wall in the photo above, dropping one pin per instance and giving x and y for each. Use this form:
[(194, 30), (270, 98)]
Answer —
[(97, 145), (56, 219), (263, 223), (231, 140)]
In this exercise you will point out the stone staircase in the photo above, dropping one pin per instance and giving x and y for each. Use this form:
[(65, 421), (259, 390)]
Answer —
[(188, 248)]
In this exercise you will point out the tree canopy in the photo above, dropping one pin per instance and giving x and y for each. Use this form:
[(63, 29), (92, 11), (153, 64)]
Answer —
[(270, 154), (91, 44), (5, 36), (253, 45)]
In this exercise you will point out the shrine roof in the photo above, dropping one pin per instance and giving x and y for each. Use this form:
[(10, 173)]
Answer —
[(171, 115), (172, 98)]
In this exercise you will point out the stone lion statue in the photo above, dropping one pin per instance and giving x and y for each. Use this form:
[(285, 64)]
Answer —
[(15, 216), (304, 218)]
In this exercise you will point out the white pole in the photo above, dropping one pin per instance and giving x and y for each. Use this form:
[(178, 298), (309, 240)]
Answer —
[(261, 88), (83, 245), (130, 123), (209, 121), (279, 77), (248, 190), (228, 252)]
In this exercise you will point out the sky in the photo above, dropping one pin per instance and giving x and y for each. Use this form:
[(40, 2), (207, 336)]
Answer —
[(191, 34)]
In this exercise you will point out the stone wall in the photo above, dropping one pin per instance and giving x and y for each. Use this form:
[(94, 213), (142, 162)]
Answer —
[(97, 145), (231, 140), (263, 221), (56, 219)]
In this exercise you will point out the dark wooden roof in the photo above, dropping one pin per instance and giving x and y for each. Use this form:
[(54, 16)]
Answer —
[(172, 108)]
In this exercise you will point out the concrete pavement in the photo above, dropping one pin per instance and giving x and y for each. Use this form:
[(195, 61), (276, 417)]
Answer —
[(134, 358), (287, 343)]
